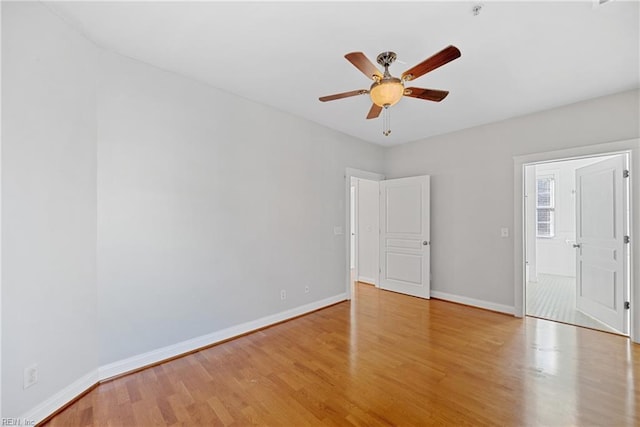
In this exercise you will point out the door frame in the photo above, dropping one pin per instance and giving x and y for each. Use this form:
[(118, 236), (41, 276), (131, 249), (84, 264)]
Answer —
[(353, 173), (353, 224), (630, 147)]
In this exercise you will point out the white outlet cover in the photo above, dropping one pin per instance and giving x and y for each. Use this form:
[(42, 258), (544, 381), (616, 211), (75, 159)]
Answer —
[(30, 375), (337, 230), (504, 232)]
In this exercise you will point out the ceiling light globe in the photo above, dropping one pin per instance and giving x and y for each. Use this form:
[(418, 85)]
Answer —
[(386, 92)]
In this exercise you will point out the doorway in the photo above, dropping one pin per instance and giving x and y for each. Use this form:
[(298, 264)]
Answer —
[(577, 258), (364, 230), (355, 249), (389, 233)]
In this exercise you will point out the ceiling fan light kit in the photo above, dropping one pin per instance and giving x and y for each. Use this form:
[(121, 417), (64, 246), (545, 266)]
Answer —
[(388, 90)]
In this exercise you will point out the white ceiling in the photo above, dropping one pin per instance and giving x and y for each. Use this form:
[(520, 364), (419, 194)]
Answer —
[(517, 57)]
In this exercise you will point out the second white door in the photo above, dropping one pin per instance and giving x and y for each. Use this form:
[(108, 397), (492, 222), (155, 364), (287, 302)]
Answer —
[(601, 249), (405, 236)]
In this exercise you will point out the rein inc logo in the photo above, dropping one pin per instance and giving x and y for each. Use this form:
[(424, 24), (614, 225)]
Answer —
[(17, 422)]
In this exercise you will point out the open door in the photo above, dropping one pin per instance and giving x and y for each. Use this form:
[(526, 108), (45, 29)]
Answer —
[(601, 247), (405, 236)]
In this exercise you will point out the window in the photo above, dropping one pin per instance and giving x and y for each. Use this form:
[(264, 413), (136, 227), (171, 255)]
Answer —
[(545, 206)]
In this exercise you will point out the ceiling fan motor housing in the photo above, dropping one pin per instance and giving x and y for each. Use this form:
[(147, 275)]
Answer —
[(386, 58)]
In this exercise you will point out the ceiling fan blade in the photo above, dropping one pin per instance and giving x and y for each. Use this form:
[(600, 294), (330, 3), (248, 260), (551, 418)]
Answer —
[(441, 58), (362, 63), (428, 94), (343, 95), (374, 112)]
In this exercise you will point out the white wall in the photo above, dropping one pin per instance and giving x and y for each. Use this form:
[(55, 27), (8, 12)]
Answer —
[(208, 206), (368, 230), (556, 255), (473, 181), (48, 205)]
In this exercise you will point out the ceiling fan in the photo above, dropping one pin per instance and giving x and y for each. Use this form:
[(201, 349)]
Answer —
[(387, 90)]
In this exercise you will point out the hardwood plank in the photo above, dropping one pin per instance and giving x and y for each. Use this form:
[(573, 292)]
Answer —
[(384, 359)]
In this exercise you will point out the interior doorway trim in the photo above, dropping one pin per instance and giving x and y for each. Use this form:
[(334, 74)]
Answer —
[(352, 173), (632, 148)]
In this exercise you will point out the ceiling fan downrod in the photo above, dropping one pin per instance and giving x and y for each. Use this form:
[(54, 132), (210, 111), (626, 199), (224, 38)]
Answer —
[(386, 59)]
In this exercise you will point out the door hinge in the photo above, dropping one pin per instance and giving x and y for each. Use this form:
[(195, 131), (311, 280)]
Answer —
[(627, 239), (627, 305), (625, 173)]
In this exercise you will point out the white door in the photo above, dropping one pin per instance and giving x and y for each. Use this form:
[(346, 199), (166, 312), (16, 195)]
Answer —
[(601, 210), (405, 235)]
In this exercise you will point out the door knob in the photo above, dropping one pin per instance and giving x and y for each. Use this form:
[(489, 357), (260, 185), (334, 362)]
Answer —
[(425, 243), (576, 245)]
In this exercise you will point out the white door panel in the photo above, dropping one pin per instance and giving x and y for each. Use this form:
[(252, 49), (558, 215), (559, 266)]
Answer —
[(405, 235), (404, 267), (404, 209), (601, 252), (597, 204)]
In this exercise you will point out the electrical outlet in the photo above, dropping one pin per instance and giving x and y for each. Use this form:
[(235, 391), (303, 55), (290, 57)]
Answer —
[(283, 294), (306, 289), (30, 375)]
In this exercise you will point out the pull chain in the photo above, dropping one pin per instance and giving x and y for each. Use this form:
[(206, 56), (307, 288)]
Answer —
[(386, 121)]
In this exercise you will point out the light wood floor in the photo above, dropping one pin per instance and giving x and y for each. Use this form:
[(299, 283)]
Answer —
[(385, 359)]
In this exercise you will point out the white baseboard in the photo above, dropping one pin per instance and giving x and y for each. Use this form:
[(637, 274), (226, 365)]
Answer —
[(473, 302), (66, 395), (367, 280), (61, 398), (136, 362)]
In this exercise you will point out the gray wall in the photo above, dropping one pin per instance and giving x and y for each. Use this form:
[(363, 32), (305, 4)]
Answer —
[(141, 209), (48, 205), (208, 206), (472, 186)]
